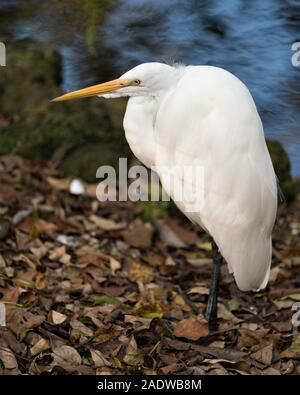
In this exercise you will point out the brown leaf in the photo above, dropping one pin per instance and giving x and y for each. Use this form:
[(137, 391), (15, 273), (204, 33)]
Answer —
[(248, 338), (271, 372), (187, 236), (66, 354), (40, 345), (95, 314), (20, 321), (153, 259), (218, 344), (227, 354), (57, 253), (226, 315), (132, 356), (274, 273), (10, 294), (22, 239), (240, 366), (264, 355), (8, 358), (199, 290), (40, 251), (293, 351), (168, 267), (285, 326), (98, 359), (168, 236), (56, 318), (81, 328), (106, 224), (169, 369), (58, 183), (143, 273), (288, 367), (114, 265), (139, 234), (12, 342), (191, 329), (283, 304), (46, 227), (170, 261)]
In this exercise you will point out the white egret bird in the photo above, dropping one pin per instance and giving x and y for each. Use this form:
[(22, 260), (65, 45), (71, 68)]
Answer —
[(205, 116)]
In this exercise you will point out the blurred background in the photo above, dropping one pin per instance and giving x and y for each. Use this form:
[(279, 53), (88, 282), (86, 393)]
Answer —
[(68, 44)]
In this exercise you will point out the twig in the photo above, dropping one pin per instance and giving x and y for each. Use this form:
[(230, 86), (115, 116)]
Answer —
[(184, 296)]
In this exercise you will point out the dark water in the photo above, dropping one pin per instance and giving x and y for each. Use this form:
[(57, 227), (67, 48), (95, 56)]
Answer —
[(251, 38)]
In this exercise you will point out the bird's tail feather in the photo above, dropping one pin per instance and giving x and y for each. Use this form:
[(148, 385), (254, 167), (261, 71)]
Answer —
[(249, 262)]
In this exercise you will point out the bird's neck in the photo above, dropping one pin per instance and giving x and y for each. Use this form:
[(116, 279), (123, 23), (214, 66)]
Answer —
[(139, 124)]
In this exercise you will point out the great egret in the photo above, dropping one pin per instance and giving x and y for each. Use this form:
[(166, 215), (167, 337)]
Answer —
[(205, 116)]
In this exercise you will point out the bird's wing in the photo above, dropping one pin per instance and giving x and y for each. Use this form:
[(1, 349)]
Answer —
[(210, 122)]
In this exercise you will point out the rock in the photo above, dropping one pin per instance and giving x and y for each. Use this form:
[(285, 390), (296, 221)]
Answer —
[(282, 168), (33, 73), (77, 187), (40, 127), (84, 160)]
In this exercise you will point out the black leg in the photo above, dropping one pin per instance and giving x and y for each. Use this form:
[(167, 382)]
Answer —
[(212, 305)]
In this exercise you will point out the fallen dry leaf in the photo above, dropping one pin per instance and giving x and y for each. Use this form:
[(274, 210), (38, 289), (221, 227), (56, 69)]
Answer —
[(139, 272), (98, 359), (106, 224), (40, 345), (191, 329), (8, 358), (81, 328), (187, 236), (58, 183), (293, 351), (271, 372), (66, 354), (114, 265), (226, 315), (56, 318), (168, 236), (264, 355), (139, 234), (199, 290), (20, 321), (133, 356)]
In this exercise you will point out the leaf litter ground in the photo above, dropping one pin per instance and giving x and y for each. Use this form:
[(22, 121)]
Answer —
[(91, 288)]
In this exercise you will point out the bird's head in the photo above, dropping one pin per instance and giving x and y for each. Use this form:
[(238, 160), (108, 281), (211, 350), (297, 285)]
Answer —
[(147, 79)]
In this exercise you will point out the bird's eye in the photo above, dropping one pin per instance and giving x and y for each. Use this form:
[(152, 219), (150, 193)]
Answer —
[(137, 82)]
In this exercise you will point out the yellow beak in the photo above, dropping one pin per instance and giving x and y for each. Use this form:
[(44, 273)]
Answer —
[(95, 90)]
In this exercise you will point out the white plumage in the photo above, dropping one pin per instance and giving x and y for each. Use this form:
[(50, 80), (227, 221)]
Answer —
[(202, 116), (208, 117)]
